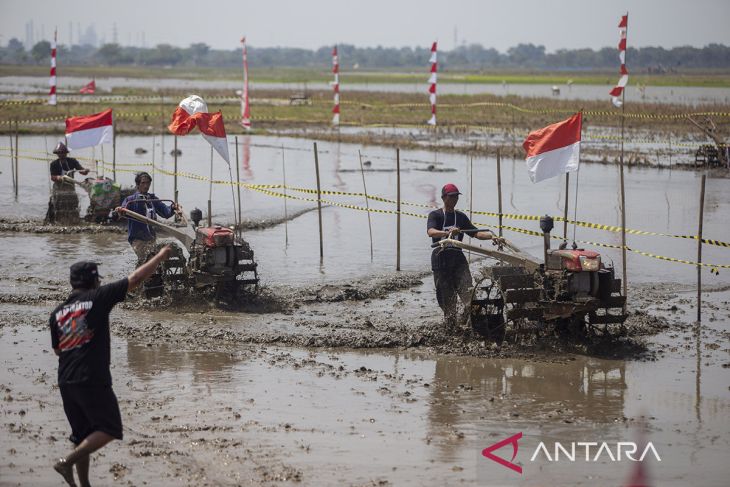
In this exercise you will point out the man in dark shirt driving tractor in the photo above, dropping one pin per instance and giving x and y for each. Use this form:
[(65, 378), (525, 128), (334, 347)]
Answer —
[(451, 273)]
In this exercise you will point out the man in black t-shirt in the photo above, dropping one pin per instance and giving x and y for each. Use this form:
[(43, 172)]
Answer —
[(63, 207), (79, 330), (451, 273)]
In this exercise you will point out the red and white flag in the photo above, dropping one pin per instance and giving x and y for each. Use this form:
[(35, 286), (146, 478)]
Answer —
[(245, 109), (193, 112), (432, 84), (336, 87), (616, 93), (52, 79), (554, 150), (89, 88), (90, 130)]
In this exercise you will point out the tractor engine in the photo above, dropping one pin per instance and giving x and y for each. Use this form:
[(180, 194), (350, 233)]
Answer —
[(215, 250), (576, 272)]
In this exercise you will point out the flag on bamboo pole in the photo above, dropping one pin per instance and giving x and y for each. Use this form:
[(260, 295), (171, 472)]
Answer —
[(245, 109), (90, 130), (554, 150), (336, 87), (432, 84), (89, 88), (52, 80), (624, 79), (193, 112)]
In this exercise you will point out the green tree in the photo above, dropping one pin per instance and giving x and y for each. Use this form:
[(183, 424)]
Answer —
[(41, 51), (109, 53)]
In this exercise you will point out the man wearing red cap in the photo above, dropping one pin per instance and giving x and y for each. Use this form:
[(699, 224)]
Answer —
[(451, 273)]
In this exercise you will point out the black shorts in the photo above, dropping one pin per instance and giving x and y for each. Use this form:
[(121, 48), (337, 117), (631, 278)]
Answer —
[(89, 409)]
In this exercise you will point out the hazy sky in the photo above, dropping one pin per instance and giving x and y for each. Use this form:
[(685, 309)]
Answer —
[(313, 23)]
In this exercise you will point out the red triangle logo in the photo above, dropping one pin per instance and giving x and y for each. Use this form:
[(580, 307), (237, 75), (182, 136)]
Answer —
[(487, 452)]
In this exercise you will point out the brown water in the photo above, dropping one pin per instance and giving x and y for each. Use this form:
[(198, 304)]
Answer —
[(332, 417), (202, 408), (657, 200)]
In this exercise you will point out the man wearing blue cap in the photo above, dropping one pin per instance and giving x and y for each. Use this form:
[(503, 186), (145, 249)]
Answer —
[(451, 273), (80, 337)]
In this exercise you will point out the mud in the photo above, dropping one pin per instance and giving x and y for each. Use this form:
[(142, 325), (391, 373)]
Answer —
[(209, 398), (36, 226), (341, 371)]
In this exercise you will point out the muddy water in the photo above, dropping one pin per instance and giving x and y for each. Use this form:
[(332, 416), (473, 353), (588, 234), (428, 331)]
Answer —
[(201, 408), (220, 417), (663, 201), (689, 95)]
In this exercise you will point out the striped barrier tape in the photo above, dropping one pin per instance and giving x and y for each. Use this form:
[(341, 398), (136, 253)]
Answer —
[(509, 216)]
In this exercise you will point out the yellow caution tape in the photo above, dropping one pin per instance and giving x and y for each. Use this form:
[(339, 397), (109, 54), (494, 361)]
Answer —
[(267, 187)]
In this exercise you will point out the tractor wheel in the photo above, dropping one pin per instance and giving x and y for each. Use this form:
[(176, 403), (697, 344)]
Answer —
[(486, 309), (171, 276)]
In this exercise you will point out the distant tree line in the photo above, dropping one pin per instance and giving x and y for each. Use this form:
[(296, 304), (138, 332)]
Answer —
[(469, 57)]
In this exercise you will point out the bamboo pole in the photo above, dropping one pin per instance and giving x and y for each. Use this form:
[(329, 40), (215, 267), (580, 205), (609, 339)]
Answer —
[(367, 203), (623, 203), (164, 126), (471, 192), (238, 187), (153, 163), (623, 193), (286, 215), (17, 157), (114, 149), (175, 173), (699, 251), (565, 210), (12, 163), (397, 255), (499, 189), (210, 190), (319, 202)]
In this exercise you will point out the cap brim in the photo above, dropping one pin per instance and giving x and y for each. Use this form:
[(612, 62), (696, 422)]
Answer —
[(452, 194)]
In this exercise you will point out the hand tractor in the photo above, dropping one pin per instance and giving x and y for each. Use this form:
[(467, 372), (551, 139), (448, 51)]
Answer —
[(218, 263), (572, 289)]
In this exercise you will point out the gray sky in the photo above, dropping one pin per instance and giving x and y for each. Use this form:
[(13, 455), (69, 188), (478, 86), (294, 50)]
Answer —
[(391, 23)]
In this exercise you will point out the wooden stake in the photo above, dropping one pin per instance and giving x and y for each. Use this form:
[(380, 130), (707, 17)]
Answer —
[(623, 203), (565, 212), (319, 202), (397, 243), (153, 163), (238, 186), (471, 192), (286, 215), (699, 251), (175, 174), (499, 189), (17, 157), (114, 149), (623, 193), (210, 189), (12, 163), (162, 137), (367, 203)]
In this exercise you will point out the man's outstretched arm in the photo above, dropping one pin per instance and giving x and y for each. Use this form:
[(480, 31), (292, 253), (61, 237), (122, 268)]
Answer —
[(147, 269)]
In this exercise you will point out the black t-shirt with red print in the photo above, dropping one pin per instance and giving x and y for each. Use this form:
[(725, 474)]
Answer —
[(80, 331)]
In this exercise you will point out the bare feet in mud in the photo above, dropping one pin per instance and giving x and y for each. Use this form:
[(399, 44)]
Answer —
[(66, 470)]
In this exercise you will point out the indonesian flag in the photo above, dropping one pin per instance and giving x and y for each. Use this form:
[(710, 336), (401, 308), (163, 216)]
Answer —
[(89, 88), (554, 150), (192, 112), (90, 130)]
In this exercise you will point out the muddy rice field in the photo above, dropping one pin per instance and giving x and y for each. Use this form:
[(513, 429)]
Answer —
[(340, 371)]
